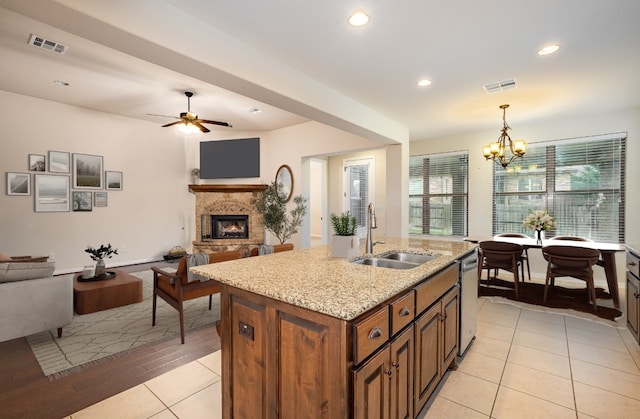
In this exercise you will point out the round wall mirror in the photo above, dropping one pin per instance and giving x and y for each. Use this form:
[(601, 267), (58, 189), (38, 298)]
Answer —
[(284, 181)]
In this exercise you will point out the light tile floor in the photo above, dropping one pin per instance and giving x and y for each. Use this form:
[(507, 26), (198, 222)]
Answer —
[(523, 363)]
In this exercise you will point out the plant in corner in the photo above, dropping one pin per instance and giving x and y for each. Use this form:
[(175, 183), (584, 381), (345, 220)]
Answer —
[(273, 207), (344, 243), (99, 254)]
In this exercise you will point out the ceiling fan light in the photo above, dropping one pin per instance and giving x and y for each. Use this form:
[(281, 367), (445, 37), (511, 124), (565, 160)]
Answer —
[(188, 128)]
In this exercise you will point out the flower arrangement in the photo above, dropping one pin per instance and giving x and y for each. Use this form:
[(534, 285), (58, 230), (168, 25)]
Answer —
[(538, 220), (101, 252)]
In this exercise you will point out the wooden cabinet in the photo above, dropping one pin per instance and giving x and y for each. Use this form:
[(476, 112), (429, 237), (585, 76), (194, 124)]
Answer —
[(383, 386), (283, 361), (633, 293), (436, 341)]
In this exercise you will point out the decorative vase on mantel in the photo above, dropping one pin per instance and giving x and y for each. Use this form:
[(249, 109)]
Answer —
[(539, 237), (100, 268)]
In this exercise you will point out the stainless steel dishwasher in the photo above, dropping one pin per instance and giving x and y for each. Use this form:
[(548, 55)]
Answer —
[(468, 300)]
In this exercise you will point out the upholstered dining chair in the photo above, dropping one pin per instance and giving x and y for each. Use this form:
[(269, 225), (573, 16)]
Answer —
[(569, 261), (277, 248), (525, 254), (571, 238), (496, 255), (175, 288)]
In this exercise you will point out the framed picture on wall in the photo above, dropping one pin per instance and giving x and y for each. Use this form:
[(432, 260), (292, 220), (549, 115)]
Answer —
[(18, 183), (51, 193), (87, 171), (58, 162), (100, 199), (113, 181), (37, 163), (82, 200)]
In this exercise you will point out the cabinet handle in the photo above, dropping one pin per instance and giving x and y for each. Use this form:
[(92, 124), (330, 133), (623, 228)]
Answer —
[(442, 317), (405, 312), (636, 295), (388, 372), (632, 264), (396, 364), (375, 333)]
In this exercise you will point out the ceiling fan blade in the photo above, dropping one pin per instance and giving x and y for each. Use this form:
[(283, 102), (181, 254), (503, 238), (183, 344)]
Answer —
[(200, 126), (224, 124), (172, 123), (163, 116)]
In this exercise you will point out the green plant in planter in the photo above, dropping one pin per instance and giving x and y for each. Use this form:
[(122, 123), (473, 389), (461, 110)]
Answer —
[(344, 225), (273, 207)]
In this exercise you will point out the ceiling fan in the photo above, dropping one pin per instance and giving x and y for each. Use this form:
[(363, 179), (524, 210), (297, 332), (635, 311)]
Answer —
[(190, 121)]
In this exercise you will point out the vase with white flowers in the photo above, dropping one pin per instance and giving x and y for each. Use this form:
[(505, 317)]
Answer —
[(540, 221)]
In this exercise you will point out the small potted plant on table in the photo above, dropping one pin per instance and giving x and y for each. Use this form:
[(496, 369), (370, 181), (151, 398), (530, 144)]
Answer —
[(99, 254), (344, 243)]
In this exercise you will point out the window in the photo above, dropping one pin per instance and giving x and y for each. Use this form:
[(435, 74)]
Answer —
[(580, 182), (438, 194), (358, 188)]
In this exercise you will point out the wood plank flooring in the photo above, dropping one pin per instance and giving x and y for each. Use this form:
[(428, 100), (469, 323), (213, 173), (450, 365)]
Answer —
[(26, 393)]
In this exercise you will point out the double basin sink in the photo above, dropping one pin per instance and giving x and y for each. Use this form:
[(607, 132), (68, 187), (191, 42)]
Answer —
[(396, 260)]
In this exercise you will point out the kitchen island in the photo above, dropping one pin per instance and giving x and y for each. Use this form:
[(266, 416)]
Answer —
[(305, 334)]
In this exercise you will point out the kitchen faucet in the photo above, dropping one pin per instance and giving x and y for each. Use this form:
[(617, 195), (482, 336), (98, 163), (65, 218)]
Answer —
[(371, 224)]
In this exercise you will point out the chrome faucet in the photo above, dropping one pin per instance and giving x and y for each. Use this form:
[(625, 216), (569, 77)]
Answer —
[(371, 224)]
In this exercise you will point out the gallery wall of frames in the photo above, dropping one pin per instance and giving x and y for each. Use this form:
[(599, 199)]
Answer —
[(63, 182)]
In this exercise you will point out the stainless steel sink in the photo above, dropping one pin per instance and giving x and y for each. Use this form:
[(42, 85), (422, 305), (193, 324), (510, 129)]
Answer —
[(385, 263), (409, 257)]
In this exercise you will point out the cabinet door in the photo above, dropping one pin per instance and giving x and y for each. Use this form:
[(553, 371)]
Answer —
[(427, 359), (402, 375), (372, 383), (632, 304), (450, 328)]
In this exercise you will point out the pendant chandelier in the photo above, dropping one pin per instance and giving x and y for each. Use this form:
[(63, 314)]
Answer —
[(498, 151)]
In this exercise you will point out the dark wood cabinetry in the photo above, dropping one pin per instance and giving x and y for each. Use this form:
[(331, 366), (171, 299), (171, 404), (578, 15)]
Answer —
[(633, 293), (282, 361)]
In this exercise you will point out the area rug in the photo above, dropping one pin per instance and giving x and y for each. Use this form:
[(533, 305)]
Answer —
[(559, 297), (98, 337)]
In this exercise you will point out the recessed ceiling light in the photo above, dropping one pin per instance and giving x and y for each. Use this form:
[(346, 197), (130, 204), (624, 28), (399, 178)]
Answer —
[(61, 83), (549, 49), (358, 18), (424, 82)]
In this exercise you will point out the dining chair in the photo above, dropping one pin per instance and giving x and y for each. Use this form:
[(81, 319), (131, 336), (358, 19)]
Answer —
[(525, 253), (571, 238), (569, 261), (496, 255)]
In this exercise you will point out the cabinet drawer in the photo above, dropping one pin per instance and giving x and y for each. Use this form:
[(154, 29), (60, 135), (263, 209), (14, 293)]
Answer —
[(403, 311), (371, 333), (435, 287), (633, 264)]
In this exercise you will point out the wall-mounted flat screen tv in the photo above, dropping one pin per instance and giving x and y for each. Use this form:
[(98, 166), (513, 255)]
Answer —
[(224, 159)]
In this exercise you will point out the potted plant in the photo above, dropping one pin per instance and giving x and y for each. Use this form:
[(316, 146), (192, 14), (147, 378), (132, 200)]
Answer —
[(273, 207), (344, 242), (99, 254)]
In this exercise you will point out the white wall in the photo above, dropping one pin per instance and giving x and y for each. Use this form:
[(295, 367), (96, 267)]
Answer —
[(480, 170), (153, 212)]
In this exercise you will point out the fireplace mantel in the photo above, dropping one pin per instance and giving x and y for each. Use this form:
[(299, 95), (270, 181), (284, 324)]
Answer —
[(227, 188)]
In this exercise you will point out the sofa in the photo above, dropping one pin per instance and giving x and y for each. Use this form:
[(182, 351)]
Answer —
[(32, 299)]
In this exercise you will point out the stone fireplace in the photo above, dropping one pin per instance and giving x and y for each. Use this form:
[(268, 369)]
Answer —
[(226, 219)]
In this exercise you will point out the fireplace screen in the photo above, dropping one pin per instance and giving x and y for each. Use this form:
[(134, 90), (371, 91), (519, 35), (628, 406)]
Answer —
[(229, 226)]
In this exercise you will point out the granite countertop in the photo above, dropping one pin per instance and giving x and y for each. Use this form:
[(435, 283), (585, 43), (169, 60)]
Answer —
[(311, 278)]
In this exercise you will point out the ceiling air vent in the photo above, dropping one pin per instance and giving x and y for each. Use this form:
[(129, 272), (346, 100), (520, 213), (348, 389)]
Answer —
[(499, 86), (40, 42)]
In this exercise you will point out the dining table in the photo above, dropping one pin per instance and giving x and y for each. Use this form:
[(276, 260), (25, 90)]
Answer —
[(607, 252)]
